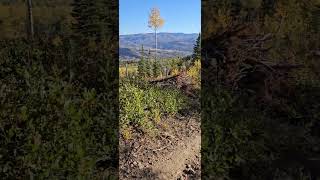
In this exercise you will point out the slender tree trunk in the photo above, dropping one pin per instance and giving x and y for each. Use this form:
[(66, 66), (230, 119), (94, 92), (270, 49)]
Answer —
[(156, 44), (30, 30), (30, 20), (127, 70)]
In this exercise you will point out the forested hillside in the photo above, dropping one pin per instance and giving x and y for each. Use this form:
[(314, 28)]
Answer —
[(168, 41), (170, 45), (260, 74)]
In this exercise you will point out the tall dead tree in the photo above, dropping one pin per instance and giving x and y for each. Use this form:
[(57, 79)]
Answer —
[(30, 29), (30, 20)]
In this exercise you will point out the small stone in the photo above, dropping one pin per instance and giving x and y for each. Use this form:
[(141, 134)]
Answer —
[(136, 145), (191, 171)]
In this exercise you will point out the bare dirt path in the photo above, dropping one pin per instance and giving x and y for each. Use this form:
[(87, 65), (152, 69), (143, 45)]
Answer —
[(176, 162), (174, 153)]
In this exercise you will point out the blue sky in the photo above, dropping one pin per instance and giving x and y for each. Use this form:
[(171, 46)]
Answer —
[(180, 15)]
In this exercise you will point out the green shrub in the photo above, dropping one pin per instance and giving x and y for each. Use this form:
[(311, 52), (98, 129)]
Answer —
[(142, 104), (231, 134), (243, 139)]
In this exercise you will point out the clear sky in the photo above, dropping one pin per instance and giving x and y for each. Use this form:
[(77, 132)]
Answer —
[(182, 16)]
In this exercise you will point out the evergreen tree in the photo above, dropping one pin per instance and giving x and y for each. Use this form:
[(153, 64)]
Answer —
[(315, 19), (156, 69), (197, 49), (91, 19), (142, 65), (93, 30), (235, 8), (268, 7), (149, 69)]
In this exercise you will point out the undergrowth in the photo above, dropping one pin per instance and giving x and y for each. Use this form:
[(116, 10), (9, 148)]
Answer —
[(142, 105), (239, 136), (51, 126)]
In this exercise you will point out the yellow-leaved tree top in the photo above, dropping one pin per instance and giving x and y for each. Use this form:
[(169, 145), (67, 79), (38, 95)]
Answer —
[(155, 22)]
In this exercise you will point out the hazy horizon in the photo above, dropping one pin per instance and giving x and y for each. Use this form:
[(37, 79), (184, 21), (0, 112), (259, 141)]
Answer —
[(160, 33)]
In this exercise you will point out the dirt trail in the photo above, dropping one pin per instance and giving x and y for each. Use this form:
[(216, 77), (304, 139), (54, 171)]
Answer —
[(174, 153), (175, 163)]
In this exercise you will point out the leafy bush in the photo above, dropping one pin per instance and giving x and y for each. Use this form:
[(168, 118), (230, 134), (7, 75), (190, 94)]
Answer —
[(174, 72), (195, 73), (231, 134), (132, 70), (142, 105)]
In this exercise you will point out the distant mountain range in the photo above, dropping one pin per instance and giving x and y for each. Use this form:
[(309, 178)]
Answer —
[(169, 45)]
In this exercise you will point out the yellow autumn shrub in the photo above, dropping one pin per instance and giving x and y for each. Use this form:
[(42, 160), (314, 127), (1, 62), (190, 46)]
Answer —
[(132, 70), (195, 73), (175, 71)]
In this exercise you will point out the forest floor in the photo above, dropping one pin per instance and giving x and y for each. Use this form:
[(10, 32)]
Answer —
[(172, 151)]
